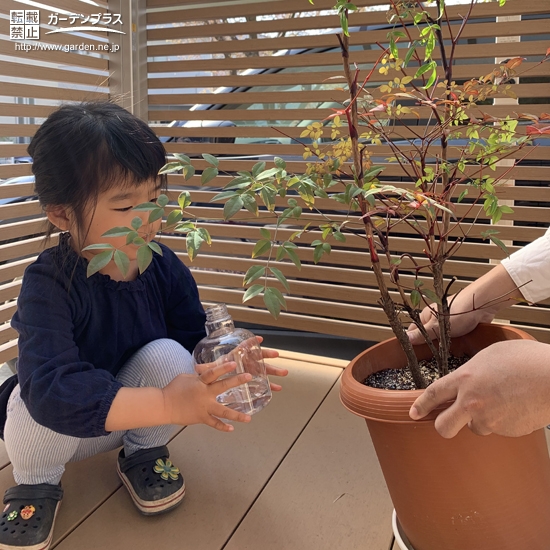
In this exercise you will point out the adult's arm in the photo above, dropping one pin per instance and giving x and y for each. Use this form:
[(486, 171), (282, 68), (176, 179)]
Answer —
[(525, 275)]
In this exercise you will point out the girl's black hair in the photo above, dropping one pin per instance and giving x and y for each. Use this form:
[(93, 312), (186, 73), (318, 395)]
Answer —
[(84, 149)]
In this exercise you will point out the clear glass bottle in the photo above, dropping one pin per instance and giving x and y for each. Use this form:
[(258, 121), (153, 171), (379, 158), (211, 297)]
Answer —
[(224, 342)]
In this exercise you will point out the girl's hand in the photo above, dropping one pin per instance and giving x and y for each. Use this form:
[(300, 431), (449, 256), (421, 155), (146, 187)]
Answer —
[(266, 354), (191, 399)]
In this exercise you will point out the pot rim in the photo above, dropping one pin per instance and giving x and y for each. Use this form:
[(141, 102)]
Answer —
[(393, 405)]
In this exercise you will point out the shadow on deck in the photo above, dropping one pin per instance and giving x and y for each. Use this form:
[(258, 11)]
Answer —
[(303, 475)]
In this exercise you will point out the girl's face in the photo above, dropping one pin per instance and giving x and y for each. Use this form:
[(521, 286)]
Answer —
[(114, 209)]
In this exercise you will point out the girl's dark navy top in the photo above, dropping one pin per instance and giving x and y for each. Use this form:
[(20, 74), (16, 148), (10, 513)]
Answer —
[(76, 332)]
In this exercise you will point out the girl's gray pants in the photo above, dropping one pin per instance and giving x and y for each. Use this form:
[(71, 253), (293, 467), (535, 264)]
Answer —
[(39, 455)]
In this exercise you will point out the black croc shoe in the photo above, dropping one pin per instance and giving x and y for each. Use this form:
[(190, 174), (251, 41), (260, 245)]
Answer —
[(153, 482), (29, 516)]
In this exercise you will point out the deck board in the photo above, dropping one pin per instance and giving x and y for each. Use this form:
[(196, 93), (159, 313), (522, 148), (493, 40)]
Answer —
[(224, 474), (329, 492)]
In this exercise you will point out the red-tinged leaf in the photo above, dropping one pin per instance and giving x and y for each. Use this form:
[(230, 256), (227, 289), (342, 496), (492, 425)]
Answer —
[(545, 116), (514, 62), (547, 52), (538, 130)]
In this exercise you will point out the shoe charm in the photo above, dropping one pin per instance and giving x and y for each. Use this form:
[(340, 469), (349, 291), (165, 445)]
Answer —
[(166, 469), (28, 512)]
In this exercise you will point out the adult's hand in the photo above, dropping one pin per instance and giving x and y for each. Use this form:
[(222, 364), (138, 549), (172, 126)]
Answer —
[(477, 303), (504, 389)]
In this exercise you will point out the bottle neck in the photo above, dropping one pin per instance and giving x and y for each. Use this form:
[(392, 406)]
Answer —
[(219, 326)]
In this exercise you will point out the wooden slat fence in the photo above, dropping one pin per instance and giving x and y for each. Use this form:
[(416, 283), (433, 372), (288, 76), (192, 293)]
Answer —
[(32, 84), (261, 68), (263, 72)]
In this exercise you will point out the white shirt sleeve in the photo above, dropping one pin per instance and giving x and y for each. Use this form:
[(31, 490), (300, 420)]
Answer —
[(531, 265)]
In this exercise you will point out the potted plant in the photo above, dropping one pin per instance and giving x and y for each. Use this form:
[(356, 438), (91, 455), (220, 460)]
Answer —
[(448, 494)]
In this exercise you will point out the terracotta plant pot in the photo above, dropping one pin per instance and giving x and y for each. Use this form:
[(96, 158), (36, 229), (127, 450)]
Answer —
[(468, 492)]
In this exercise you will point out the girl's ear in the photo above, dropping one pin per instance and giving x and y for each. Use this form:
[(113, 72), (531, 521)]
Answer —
[(61, 217)]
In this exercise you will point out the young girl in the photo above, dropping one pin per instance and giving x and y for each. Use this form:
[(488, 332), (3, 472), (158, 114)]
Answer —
[(103, 361)]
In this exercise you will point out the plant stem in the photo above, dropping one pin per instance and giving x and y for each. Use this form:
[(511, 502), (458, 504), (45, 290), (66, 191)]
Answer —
[(388, 305)]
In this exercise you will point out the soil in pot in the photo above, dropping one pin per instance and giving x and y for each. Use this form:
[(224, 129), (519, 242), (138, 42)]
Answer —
[(401, 379)]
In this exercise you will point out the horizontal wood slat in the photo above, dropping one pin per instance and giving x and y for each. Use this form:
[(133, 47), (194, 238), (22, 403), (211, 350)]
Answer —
[(13, 170), (8, 351), (324, 21), (24, 70), (73, 6), (16, 110), (522, 90), (537, 48), (64, 58), (50, 92), (363, 38), (288, 6), (268, 150), (272, 114), (314, 77)]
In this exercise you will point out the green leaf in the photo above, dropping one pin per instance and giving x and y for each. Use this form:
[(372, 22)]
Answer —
[(162, 201), (170, 167), (318, 253), (99, 262), (265, 233), (339, 236), (257, 168), (99, 247), (431, 295), (273, 299), (423, 69), (372, 173), (500, 244), (193, 241), (210, 159), (292, 255), (254, 290), (155, 248), (174, 217), (205, 235), (208, 174), (137, 222), (410, 53), (232, 206), (280, 253), (224, 195), (431, 80), (184, 199), (280, 276), (145, 207), (122, 262), (254, 272), (462, 195), (188, 171), (267, 174), (138, 241), (279, 163), (250, 204), (131, 236), (185, 227), (117, 232), (415, 298), (156, 215), (268, 197), (261, 247), (144, 258), (183, 158), (393, 48)]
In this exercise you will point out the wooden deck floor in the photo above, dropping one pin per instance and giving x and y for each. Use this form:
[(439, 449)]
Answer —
[(302, 475)]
